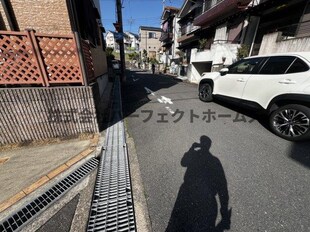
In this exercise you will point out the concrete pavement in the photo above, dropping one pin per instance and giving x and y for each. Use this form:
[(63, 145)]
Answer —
[(28, 168)]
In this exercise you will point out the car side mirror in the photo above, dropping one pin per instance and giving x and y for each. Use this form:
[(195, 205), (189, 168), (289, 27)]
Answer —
[(224, 71)]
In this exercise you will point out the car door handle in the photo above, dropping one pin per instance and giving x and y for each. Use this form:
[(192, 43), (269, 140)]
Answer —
[(287, 81), (240, 80)]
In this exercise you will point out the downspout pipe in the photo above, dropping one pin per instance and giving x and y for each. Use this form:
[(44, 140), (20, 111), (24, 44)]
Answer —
[(254, 37), (8, 15)]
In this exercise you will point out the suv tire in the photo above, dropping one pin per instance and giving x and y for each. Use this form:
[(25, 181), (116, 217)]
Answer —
[(291, 122), (205, 92)]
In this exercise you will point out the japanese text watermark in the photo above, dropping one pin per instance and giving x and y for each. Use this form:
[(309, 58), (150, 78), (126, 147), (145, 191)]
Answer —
[(177, 116)]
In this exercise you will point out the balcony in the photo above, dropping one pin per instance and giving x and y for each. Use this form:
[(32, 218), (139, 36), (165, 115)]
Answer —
[(166, 37), (185, 37), (189, 28), (220, 10), (218, 50)]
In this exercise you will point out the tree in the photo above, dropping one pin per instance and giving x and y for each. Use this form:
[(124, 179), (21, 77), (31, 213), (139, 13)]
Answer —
[(133, 56), (109, 52), (153, 60), (144, 55)]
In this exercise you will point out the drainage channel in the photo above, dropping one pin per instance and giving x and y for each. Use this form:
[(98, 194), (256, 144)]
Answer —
[(112, 206), (19, 219)]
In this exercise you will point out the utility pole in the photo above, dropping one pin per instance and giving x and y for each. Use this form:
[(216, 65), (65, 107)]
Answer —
[(121, 42)]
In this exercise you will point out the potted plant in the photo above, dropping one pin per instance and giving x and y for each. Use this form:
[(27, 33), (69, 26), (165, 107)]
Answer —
[(202, 44)]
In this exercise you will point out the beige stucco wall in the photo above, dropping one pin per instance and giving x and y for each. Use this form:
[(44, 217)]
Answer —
[(45, 16), (150, 45)]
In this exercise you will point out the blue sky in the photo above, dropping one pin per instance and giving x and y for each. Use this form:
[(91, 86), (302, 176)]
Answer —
[(136, 13)]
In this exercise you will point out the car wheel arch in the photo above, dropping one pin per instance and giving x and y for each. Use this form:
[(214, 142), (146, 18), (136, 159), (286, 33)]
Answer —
[(207, 81), (286, 99)]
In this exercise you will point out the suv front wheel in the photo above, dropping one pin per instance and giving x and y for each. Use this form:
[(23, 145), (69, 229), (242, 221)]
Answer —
[(291, 122), (205, 92)]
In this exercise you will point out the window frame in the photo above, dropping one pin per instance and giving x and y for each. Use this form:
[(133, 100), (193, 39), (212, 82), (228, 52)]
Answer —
[(253, 71), (153, 35), (297, 58), (268, 58)]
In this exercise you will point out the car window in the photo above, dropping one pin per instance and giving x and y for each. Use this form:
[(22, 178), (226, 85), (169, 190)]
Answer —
[(298, 66), (244, 66), (277, 65)]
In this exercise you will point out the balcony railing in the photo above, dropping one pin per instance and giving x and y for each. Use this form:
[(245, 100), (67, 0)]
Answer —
[(166, 37), (295, 30), (186, 29), (211, 3), (216, 9)]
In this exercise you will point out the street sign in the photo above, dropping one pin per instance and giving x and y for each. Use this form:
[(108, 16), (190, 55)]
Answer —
[(118, 37)]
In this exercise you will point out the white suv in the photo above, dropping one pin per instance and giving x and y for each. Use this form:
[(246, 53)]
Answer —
[(279, 84)]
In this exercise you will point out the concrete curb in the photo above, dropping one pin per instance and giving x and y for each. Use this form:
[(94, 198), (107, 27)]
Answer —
[(51, 175)]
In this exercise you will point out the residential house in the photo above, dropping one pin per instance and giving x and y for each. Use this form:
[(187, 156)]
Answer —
[(169, 35), (149, 41), (58, 18), (213, 31), (187, 40), (284, 26), (55, 44), (110, 39), (131, 41)]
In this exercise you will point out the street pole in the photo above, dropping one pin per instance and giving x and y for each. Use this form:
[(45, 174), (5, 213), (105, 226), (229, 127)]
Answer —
[(121, 42)]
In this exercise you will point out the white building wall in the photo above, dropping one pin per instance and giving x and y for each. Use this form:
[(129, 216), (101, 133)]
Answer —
[(175, 45), (110, 40), (219, 54)]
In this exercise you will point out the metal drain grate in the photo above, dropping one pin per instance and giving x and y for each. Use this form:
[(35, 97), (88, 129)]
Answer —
[(112, 207), (19, 219)]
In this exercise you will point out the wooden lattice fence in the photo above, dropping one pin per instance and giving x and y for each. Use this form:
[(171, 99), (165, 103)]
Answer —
[(39, 59), (18, 61), (88, 60)]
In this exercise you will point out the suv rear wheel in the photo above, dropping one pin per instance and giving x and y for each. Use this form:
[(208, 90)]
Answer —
[(291, 122), (205, 92)]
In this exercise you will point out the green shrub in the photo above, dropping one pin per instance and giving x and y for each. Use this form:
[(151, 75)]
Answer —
[(243, 51)]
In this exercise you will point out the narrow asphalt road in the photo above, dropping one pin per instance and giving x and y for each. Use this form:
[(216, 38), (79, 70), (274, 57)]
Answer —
[(213, 166)]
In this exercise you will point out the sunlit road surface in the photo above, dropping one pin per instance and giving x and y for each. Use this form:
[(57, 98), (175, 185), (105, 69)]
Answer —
[(213, 166)]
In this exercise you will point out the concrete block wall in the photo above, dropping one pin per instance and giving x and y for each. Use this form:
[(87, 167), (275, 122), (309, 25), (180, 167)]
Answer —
[(30, 114), (272, 43), (44, 16)]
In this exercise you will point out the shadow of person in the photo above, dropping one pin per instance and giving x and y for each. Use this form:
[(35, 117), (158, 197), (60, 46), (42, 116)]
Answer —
[(196, 207)]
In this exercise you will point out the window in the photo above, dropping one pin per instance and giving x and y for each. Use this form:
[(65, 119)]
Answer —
[(298, 66), (277, 65), (87, 22), (244, 66), (152, 35)]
